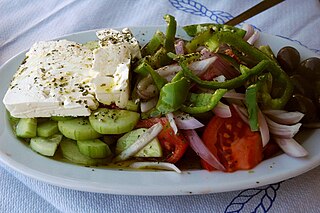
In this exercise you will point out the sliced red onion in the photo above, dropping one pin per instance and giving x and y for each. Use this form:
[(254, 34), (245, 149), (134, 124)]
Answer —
[(264, 129), (207, 68), (222, 110), (263, 125), (249, 31), (223, 67), (200, 67), (185, 121), (141, 142), (155, 165), (169, 71), (212, 67), (283, 131), (242, 112), (179, 47), (198, 146), (291, 147), (205, 53), (172, 123), (253, 38), (145, 106), (220, 78), (284, 117), (234, 95)]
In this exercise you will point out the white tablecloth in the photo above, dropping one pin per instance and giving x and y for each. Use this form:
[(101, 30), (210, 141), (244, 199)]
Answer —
[(24, 22)]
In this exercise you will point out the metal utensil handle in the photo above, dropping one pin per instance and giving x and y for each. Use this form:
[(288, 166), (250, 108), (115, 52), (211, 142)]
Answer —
[(262, 6)]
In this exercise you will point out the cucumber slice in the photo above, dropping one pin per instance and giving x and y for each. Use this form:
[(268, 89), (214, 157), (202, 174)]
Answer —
[(78, 129), (45, 146), (94, 148), (70, 151), (27, 128), (13, 123), (113, 121), (152, 149), (47, 128)]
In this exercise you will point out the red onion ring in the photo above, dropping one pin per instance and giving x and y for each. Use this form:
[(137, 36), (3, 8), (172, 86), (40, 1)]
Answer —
[(264, 129), (291, 147), (185, 121), (222, 110), (179, 47), (172, 122), (284, 117), (249, 31), (253, 38), (283, 131), (199, 147)]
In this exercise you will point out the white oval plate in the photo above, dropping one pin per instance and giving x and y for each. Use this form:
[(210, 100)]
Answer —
[(20, 157)]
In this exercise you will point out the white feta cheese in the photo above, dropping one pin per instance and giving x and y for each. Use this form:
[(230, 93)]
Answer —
[(64, 78), (111, 82), (106, 59), (54, 80), (123, 38), (112, 64)]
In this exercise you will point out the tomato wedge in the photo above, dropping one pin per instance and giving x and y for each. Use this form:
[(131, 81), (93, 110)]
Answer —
[(174, 145), (233, 143)]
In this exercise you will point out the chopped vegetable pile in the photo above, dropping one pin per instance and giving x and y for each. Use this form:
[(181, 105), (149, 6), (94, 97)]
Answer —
[(215, 99)]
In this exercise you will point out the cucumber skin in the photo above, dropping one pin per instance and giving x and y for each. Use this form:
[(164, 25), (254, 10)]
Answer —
[(47, 129), (27, 128), (70, 151), (46, 146), (113, 121), (75, 129), (152, 149), (94, 148)]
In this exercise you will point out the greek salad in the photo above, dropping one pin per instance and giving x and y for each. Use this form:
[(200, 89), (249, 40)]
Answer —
[(215, 99)]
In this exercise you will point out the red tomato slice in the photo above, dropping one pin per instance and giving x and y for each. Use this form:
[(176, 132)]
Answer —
[(233, 143), (147, 123), (174, 145)]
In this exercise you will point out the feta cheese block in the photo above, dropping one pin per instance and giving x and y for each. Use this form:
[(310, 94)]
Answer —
[(65, 78), (123, 38), (112, 63), (54, 80), (111, 82)]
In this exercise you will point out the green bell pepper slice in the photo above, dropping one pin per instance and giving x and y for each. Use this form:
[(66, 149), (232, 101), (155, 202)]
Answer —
[(203, 102), (142, 68), (145, 69), (246, 73), (155, 52), (154, 44), (170, 32), (277, 73), (199, 40), (265, 90), (204, 35), (173, 95), (195, 29), (252, 106)]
